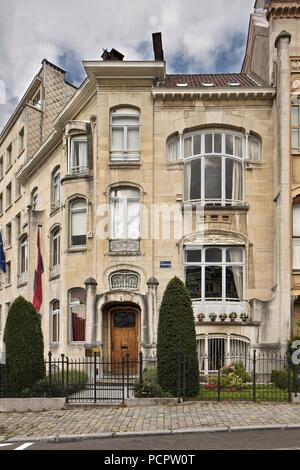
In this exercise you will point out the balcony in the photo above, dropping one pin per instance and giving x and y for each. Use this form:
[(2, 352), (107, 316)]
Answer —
[(55, 271), (79, 170), (22, 279), (220, 307), (124, 247)]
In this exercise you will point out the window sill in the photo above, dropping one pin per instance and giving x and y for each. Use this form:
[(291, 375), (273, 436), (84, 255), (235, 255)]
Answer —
[(21, 152), (250, 165), (53, 278), (70, 177), (8, 207), (124, 253), (209, 206), (7, 285), (77, 249), (8, 247), (8, 168), (18, 197), (125, 164), (54, 211), (54, 345), (22, 284), (77, 343)]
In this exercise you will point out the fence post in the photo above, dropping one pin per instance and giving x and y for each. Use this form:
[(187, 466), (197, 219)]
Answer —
[(50, 373), (95, 375), (127, 373), (254, 375), (63, 372), (67, 384), (141, 370), (123, 380), (219, 378)]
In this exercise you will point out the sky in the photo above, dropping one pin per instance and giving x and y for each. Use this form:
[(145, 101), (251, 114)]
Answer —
[(199, 36)]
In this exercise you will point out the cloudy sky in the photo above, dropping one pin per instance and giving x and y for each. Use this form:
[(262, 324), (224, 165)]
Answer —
[(198, 36)]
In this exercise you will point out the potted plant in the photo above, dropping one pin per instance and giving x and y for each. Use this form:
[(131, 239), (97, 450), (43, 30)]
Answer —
[(200, 316), (233, 316), (244, 316), (223, 316), (212, 316)]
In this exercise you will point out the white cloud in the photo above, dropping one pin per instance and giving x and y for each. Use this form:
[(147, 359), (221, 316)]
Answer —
[(193, 30)]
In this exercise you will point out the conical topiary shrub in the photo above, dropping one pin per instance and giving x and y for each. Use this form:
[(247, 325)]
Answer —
[(177, 340), (24, 346)]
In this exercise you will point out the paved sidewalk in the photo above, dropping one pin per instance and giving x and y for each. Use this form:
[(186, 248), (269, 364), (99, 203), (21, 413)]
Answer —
[(187, 416)]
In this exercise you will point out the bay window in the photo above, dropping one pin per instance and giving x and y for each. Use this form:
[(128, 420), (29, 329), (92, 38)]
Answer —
[(77, 309), (55, 252), (56, 189), (215, 273), (54, 319), (23, 266), (78, 155), (125, 134), (78, 223), (124, 219)]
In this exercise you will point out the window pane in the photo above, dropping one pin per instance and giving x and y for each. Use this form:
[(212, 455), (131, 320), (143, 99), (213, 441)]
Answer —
[(125, 120), (218, 143), (79, 153), (208, 143), (213, 255), (55, 328), (296, 253), (234, 282), (133, 139), (197, 144), (117, 139), (216, 353), (234, 255), (233, 180), (195, 179), (296, 220), (133, 220), (187, 146), (78, 227), (77, 296), (295, 138), (238, 147), (229, 144), (295, 116), (193, 281), (193, 256), (213, 282), (78, 323), (253, 150), (213, 179), (173, 150)]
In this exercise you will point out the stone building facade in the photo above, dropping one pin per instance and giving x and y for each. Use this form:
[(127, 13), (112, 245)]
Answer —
[(138, 176)]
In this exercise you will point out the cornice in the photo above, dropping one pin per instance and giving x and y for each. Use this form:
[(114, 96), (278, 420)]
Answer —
[(284, 9), (217, 93)]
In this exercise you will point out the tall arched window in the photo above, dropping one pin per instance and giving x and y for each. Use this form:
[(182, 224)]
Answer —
[(23, 260), (56, 189), (124, 223), (125, 134), (78, 222), (55, 252), (54, 321), (35, 199), (77, 309), (213, 167)]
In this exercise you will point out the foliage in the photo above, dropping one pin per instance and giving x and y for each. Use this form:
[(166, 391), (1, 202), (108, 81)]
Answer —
[(62, 384), (227, 381), (280, 379), (177, 339), (24, 346), (150, 387), (239, 369)]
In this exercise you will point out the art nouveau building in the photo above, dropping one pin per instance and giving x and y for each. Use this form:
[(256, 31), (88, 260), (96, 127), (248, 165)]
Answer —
[(138, 176)]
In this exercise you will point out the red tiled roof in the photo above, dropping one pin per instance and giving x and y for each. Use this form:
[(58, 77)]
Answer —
[(218, 80)]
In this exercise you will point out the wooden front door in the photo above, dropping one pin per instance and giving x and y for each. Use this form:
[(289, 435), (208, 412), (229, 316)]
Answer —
[(124, 337)]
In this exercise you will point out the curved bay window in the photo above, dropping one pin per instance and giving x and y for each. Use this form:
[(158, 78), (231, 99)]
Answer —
[(124, 280), (78, 155), (213, 167), (125, 134), (220, 349), (78, 223), (54, 312), (215, 273), (77, 307)]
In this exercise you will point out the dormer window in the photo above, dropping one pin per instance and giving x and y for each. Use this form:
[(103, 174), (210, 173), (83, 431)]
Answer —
[(233, 84), (208, 84), (78, 157), (125, 134)]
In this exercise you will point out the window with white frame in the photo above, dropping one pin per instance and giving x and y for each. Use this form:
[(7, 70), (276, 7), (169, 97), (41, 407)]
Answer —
[(125, 134), (77, 309), (54, 320), (35, 199), (125, 214), (56, 188), (215, 272), (78, 211), (78, 155), (23, 255), (295, 124), (8, 195), (220, 350), (55, 247), (124, 280), (173, 149), (296, 234)]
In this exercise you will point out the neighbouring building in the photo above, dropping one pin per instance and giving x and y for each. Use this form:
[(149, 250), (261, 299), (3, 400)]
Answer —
[(138, 176)]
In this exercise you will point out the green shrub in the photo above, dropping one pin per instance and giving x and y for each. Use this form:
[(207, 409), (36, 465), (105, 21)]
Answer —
[(239, 369), (24, 347), (177, 338), (150, 387), (228, 380), (280, 379), (62, 384)]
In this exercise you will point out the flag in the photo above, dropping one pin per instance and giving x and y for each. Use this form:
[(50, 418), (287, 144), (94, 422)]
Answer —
[(2, 256), (37, 284)]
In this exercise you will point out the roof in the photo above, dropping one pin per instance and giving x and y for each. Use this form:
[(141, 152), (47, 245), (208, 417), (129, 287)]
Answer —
[(222, 80)]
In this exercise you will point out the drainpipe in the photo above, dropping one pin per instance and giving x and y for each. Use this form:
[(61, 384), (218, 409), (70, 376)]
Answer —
[(91, 291)]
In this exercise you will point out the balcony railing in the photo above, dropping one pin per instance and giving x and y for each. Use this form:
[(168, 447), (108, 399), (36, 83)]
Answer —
[(79, 170), (124, 246), (22, 278), (55, 271), (223, 310)]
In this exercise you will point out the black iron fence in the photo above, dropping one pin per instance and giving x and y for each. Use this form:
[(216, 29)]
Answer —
[(94, 379)]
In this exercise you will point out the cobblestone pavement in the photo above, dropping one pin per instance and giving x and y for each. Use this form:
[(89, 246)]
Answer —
[(149, 418)]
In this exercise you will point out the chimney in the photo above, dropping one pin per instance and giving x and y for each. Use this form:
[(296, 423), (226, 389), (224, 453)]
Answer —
[(112, 55), (157, 46)]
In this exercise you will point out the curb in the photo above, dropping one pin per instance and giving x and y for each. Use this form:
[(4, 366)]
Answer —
[(167, 432)]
